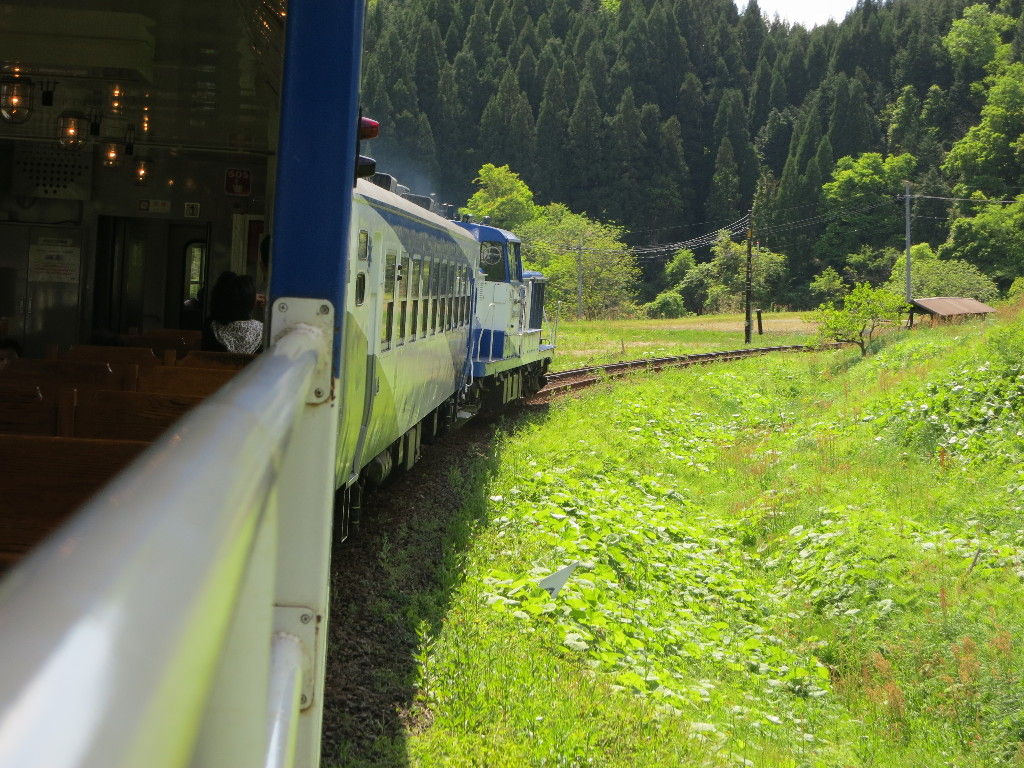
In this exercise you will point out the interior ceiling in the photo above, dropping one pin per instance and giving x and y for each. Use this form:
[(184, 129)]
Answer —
[(193, 73)]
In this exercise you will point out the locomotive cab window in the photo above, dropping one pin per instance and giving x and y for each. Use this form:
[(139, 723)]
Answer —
[(360, 289), (492, 262), (517, 261)]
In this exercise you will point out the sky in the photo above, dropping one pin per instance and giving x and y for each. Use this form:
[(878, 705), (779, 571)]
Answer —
[(810, 13)]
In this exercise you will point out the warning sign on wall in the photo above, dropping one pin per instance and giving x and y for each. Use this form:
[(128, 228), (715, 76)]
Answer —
[(238, 182), (53, 260)]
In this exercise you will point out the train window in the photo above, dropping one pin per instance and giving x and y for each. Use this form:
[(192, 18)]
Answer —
[(404, 279), (435, 292), (492, 262), (414, 291), (360, 288), (364, 244), (426, 296), (388, 310), (451, 297), (195, 268), (517, 261)]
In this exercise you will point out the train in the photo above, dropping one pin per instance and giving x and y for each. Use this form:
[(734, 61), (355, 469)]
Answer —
[(167, 518)]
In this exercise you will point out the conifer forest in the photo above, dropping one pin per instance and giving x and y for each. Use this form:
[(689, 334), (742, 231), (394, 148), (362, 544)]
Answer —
[(664, 122)]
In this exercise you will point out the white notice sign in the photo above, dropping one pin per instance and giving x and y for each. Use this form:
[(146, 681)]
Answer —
[(49, 262)]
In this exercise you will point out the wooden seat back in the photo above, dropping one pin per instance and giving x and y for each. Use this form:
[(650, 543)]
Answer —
[(51, 376), (207, 359), (141, 356), (127, 415), (25, 410), (45, 479), (179, 335), (183, 380)]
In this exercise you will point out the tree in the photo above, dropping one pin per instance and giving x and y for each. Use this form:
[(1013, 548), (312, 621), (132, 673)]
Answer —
[(828, 285), (502, 196), (931, 276), (677, 268), (974, 41), (506, 126), (667, 304), (861, 195), (577, 253), (993, 241), (723, 206), (863, 314), (719, 285)]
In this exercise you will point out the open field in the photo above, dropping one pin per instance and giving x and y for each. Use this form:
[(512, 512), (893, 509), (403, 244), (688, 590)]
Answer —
[(594, 342), (807, 559)]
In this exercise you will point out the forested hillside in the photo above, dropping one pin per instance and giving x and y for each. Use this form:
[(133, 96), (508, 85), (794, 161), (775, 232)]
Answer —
[(674, 117)]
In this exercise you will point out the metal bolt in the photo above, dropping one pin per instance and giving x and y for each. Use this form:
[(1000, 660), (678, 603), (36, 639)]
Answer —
[(318, 392), (325, 309), (282, 307), (306, 618), (304, 700)]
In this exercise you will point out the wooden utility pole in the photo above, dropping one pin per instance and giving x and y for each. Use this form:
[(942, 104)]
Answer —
[(747, 293), (906, 212), (579, 282)]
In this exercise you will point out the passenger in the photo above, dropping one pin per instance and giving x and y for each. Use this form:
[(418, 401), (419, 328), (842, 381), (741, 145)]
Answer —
[(231, 327), (9, 350)]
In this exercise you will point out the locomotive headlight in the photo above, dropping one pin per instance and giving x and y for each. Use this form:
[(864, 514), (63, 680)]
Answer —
[(15, 99)]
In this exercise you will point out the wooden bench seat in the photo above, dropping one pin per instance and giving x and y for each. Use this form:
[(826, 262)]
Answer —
[(141, 356), (25, 410), (44, 479), (127, 415), (208, 359), (51, 376), (183, 380)]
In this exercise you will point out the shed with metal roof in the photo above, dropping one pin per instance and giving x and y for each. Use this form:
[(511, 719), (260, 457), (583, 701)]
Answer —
[(946, 308)]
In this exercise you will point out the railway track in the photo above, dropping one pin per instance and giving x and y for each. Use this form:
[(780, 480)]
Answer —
[(577, 378)]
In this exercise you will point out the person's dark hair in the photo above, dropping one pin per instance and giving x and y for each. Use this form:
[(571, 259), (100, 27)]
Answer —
[(12, 345), (233, 298)]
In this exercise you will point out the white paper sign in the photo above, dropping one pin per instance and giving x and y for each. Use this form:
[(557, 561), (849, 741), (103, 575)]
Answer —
[(50, 262)]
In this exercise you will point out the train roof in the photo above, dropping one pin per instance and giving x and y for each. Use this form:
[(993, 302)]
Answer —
[(485, 233), (371, 191)]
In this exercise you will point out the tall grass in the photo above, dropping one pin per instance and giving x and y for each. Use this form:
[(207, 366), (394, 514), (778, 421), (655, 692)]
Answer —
[(787, 561)]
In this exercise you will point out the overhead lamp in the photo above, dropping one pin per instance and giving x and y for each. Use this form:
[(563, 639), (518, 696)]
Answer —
[(116, 99), (15, 99), (143, 169), (72, 129), (111, 154)]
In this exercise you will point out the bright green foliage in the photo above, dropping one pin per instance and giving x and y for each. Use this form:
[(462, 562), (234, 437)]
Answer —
[(681, 263), (870, 265), (993, 241), (571, 249), (829, 286), (864, 186), (975, 41), (667, 304), (865, 311), (782, 562), (718, 285), (990, 157), (931, 276), (503, 196)]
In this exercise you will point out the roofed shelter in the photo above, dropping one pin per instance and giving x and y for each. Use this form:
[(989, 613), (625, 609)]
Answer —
[(948, 308)]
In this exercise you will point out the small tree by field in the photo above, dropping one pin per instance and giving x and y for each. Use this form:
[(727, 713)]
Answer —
[(864, 312)]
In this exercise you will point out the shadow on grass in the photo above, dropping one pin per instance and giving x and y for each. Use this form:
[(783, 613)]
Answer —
[(392, 583)]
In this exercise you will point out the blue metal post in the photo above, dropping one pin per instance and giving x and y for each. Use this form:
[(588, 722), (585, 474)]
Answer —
[(316, 154)]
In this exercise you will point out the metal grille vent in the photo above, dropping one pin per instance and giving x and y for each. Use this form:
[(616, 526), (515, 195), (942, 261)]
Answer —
[(44, 170)]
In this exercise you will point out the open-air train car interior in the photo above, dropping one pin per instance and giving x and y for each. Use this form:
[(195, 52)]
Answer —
[(136, 159)]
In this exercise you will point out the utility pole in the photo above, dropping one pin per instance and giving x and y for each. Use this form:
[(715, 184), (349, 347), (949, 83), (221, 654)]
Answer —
[(579, 282), (747, 294), (906, 209)]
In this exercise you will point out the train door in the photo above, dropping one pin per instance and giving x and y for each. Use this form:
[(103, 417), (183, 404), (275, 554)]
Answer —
[(40, 285), (145, 270)]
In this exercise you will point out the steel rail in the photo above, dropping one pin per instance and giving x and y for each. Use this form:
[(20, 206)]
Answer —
[(114, 628), (577, 378)]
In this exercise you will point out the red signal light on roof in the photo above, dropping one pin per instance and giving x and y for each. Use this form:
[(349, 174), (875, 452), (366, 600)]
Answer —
[(368, 129)]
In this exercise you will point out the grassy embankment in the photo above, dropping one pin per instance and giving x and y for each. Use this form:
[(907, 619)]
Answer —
[(593, 342), (800, 560)]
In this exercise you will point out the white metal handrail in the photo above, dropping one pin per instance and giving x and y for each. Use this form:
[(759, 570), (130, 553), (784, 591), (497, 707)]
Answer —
[(113, 631)]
